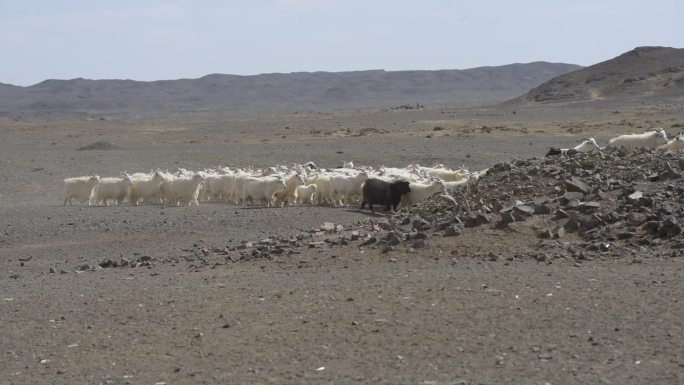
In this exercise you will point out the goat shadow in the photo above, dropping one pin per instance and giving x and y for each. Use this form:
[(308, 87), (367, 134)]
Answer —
[(378, 213)]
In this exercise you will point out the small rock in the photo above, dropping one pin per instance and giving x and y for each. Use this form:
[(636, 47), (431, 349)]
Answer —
[(420, 224), (547, 234), (635, 219), (574, 184), (589, 206), (561, 214), (560, 232), (473, 220), (572, 196), (452, 231), (328, 227), (420, 235), (85, 267), (387, 249), (369, 241), (418, 243), (507, 218), (635, 196), (524, 210), (669, 227), (392, 239), (542, 209), (108, 263), (384, 224)]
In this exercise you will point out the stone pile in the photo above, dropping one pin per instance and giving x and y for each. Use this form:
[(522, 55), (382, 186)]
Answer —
[(617, 199), (618, 202)]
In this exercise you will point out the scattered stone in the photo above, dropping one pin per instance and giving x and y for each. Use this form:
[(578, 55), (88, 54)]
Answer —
[(546, 234), (635, 219), (420, 224), (369, 241), (419, 235), (572, 196), (108, 263), (574, 184), (561, 214), (524, 210), (388, 248), (635, 196), (328, 227), (474, 220), (452, 231), (418, 243), (392, 239), (560, 232), (542, 209), (669, 227), (99, 146), (507, 218), (589, 206)]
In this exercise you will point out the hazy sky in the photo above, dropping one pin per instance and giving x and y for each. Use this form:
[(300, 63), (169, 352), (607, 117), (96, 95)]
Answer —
[(150, 40)]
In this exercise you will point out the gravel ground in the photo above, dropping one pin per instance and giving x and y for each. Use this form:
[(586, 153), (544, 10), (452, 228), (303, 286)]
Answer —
[(445, 314)]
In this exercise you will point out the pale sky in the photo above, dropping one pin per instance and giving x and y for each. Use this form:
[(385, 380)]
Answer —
[(152, 40)]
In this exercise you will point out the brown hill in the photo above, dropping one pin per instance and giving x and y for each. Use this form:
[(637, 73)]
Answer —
[(279, 92), (644, 72)]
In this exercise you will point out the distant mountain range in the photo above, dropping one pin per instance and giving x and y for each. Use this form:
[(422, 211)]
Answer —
[(303, 91), (644, 73)]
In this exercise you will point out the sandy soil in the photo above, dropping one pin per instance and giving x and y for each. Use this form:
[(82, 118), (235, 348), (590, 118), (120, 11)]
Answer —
[(446, 314)]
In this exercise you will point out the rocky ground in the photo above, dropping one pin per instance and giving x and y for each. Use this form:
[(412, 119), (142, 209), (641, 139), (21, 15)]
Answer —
[(546, 270)]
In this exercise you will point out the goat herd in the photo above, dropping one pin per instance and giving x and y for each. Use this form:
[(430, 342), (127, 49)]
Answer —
[(306, 183), (280, 185)]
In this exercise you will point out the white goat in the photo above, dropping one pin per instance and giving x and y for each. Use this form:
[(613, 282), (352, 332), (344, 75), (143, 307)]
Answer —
[(234, 183), (262, 189), (323, 191), (586, 145), (439, 171), (306, 194), (344, 188), (421, 191), (80, 188), (389, 174), (145, 188), (649, 139), (451, 185), (112, 189), (288, 195), (215, 187), (182, 189), (676, 144)]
